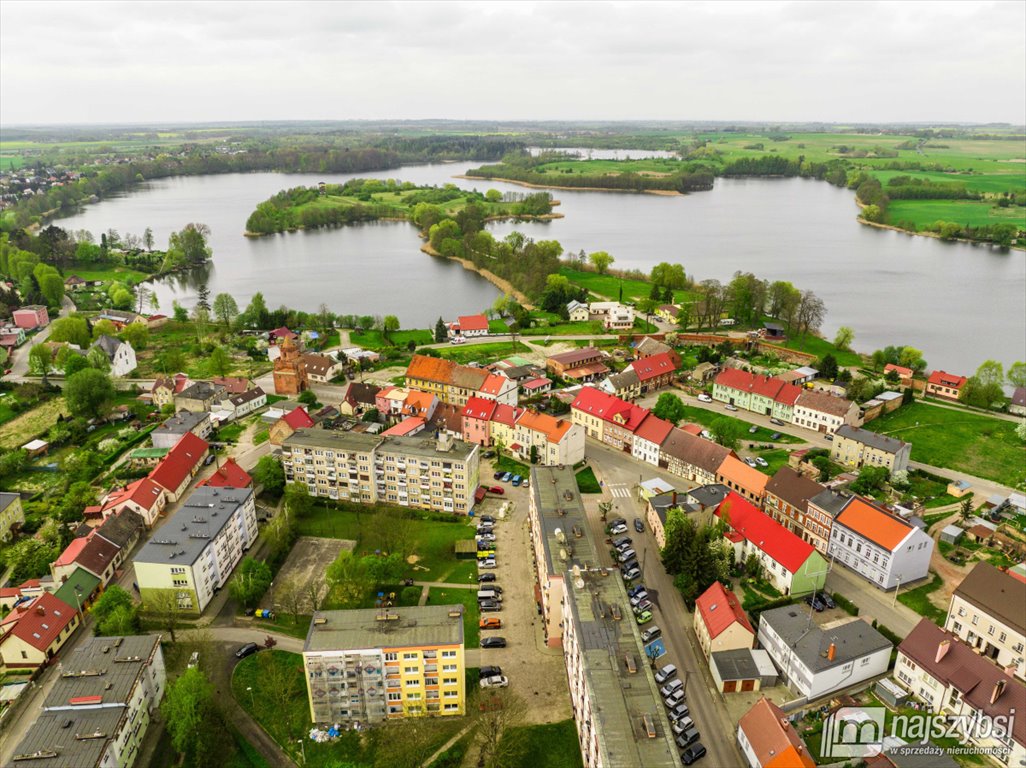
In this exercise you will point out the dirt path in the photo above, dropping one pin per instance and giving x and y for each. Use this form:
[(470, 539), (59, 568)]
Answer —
[(951, 574)]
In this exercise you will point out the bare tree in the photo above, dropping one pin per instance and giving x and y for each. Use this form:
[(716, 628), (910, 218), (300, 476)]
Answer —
[(811, 311), (500, 743), (163, 606), (291, 596)]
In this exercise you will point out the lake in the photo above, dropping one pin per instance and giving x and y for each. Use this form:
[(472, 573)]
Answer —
[(959, 303)]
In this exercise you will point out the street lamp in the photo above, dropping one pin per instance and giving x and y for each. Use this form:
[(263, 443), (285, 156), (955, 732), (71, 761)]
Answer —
[(302, 746), (251, 700)]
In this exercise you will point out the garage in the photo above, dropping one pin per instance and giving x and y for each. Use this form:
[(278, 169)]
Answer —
[(742, 669)]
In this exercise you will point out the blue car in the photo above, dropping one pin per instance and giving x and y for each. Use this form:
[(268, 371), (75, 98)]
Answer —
[(506, 477), (516, 480)]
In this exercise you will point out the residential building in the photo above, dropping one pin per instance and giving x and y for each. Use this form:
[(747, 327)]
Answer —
[(625, 385), (816, 661), (742, 479), (320, 368), (760, 394), (824, 412), (952, 679), (822, 509), (668, 312), (171, 431), (411, 425), (945, 385), (620, 427), (417, 471), (793, 566), (1017, 405), (578, 312), (617, 708), (31, 316), (181, 464), (987, 613), (800, 376), (199, 397), (122, 529), (455, 384), (119, 353), (164, 389), (648, 439), (613, 315), (742, 670), (904, 374), (547, 440), (654, 372), (564, 362), (12, 516), (477, 416), (34, 631), (359, 397), (648, 347), (768, 740), (142, 497), (693, 458), (196, 550), (11, 336), (106, 697), (120, 318), (878, 545), (370, 665), (787, 500), (539, 385), (592, 407), (288, 424), (243, 404), (721, 624), (290, 377), (228, 475), (233, 385), (469, 325), (93, 553), (656, 509), (78, 590), (856, 447)]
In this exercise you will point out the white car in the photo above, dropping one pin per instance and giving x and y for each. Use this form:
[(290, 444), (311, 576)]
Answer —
[(761, 461), (638, 598), (705, 398), (730, 407), (486, 563), (707, 434), (497, 681), (457, 340), (616, 530)]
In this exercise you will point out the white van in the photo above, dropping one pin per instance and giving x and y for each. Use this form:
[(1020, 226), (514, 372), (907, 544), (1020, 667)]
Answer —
[(488, 594)]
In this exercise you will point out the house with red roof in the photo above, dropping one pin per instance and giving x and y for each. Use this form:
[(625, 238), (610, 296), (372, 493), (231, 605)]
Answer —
[(176, 470), (283, 428), (228, 475), (33, 633), (649, 438), (469, 325), (769, 740), (477, 415), (767, 395), (498, 388), (789, 563), (721, 624), (408, 427), (164, 389), (878, 545), (945, 385), (144, 497), (904, 374), (654, 372), (94, 553)]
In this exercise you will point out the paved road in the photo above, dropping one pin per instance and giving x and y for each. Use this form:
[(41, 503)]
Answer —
[(873, 603), (619, 471), (20, 357)]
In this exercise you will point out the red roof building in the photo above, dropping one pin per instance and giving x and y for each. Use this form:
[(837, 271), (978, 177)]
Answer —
[(229, 475), (470, 325), (655, 371), (144, 497), (298, 419), (946, 385), (182, 462), (280, 334), (475, 418), (32, 633), (721, 624)]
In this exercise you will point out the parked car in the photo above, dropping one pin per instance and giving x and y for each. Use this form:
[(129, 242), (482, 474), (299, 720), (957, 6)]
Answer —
[(622, 540), (495, 588), (517, 480), (489, 606), (707, 434), (638, 597), (486, 563), (776, 421), (489, 622), (673, 685), (829, 437), (750, 462), (635, 589), (488, 455), (650, 634), (705, 398), (492, 671), (209, 460), (665, 673), (632, 574), (247, 650), (644, 605), (623, 547), (493, 642), (626, 554), (457, 340), (618, 529), (618, 521), (688, 738), (816, 602), (498, 475), (624, 567), (761, 461), (487, 518), (827, 600), (488, 538), (498, 490), (644, 617), (507, 476), (526, 483), (753, 429), (679, 712), (730, 407), (674, 699), (692, 754), (682, 724), (639, 526), (486, 577), (498, 681), (775, 436)]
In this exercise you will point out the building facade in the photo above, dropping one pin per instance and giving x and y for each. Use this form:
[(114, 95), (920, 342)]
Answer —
[(721, 624), (986, 612), (12, 516), (856, 447), (824, 412)]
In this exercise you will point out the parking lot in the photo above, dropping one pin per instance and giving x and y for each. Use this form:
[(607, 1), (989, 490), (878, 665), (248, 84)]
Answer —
[(535, 671)]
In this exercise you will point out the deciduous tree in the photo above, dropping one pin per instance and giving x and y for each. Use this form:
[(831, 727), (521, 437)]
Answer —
[(670, 408), (601, 260), (844, 337), (89, 392)]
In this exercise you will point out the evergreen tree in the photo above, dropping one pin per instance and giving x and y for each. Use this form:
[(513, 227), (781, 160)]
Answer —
[(203, 297)]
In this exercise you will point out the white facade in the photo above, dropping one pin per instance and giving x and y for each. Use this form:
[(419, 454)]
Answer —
[(1002, 643), (809, 417), (885, 567), (645, 450)]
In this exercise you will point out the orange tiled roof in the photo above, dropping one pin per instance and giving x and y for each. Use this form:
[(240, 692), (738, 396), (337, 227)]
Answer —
[(875, 524)]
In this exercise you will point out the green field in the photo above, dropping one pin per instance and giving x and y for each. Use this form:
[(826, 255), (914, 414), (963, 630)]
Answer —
[(996, 183), (761, 434), (108, 274), (608, 286), (650, 166), (552, 745), (820, 347), (376, 339), (482, 353), (970, 213), (587, 482), (960, 440), (775, 458)]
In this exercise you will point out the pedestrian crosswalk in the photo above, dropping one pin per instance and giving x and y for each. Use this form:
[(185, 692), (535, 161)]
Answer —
[(620, 491)]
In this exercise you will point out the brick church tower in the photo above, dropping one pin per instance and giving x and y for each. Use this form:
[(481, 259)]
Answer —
[(289, 371)]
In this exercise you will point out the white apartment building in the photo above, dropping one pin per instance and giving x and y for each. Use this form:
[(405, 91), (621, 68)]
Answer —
[(421, 471), (195, 551), (100, 707), (824, 412), (879, 546), (988, 612)]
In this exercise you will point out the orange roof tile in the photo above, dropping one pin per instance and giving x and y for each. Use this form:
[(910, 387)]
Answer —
[(741, 474), (435, 369), (873, 523), (773, 739)]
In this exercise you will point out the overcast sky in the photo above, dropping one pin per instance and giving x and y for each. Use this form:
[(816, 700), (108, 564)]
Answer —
[(70, 62)]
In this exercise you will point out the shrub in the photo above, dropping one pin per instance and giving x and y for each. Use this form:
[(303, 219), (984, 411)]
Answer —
[(846, 604)]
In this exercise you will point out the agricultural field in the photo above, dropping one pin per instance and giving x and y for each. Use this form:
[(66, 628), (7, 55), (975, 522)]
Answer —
[(653, 166), (994, 183), (21, 429), (483, 353), (971, 213), (960, 440)]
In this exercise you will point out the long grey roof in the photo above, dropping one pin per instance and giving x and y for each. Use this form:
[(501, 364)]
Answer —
[(404, 627), (6, 499), (811, 643), (872, 439), (101, 666), (182, 422), (198, 521), (559, 506), (67, 739)]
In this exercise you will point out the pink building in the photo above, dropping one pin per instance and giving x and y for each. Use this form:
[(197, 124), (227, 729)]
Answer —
[(477, 414), (33, 316)]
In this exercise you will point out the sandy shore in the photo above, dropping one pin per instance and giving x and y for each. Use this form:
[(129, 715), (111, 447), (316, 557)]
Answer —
[(669, 192), (503, 285)]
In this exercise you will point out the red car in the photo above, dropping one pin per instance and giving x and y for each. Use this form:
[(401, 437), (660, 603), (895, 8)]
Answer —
[(498, 490)]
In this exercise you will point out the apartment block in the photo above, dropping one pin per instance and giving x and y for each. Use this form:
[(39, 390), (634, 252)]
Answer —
[(987, 612), (856, 447), (195, 551), (422, 471), (378, 664)]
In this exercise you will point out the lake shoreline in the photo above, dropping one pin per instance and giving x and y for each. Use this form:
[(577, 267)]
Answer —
[(503, 285), (664, 192), (934, 235), (505, 217)]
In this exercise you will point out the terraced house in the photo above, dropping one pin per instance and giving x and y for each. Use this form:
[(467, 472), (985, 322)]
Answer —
[(986, 612), (855, 447), (420, 471), (455, 384), (759, 394)]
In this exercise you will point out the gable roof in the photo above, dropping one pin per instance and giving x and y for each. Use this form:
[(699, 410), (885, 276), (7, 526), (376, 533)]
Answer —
[(873, 523), (121, 528), (653, 429), (945, 379), (179, 463), (792, 487), (575, 357), (765, 533), (298, 419), (996, 592), (719, 609), (436, 369), (649, 346), (595, 402), (823, 402), (472, 323), (109, 345), (201, 390), (143, 492), (282, 333), (552, 427), (654, 366), (246, 397), (872, 439), (898, 369), (493, 384), (362, 394), (1019, 396), (78, 587), (479, 408), (229, 475), (749, 478), (319, 365), (234, 385), (773, 739), (39, 622), (704, 454)]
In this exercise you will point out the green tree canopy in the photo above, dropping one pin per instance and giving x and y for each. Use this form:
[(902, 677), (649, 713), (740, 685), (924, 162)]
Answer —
[(269, 473), (670, 407), (601, 260), (73, 330), (192, 719), (89, 392)]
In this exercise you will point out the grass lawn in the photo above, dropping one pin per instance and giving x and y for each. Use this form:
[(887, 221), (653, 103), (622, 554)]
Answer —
[(376, 339), (587, 482), (552, 745), (967, 442), (761, 434), (26, 426), (820, 347), (110, 274), (775, 457), (918, 600), (483, 353), (261, 437), (287, 719), (230, 432), (966, 212), (506, 464), (430, 541), (931, 489), (608, 286), (585, 328)]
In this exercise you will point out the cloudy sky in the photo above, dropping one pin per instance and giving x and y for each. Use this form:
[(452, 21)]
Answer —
[(70, 62)]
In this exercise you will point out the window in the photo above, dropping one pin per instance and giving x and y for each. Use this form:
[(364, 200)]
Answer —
[(451, 707), (391, 656), (448, 654), (411, 670), (451, 694), (448, 667), (410, 655), (1003, 637)]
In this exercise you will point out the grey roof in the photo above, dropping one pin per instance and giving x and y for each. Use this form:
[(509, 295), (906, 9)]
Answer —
[(522, 372), (872, 439), (201, 390), (649, 346), (109, 345), (625, 380), (6, 499), (182, 422), (367, 628), (102, 666), (709, 495), (557, 502), (831, 502), (250, 394), (811, 643), (64, 739), (996, 593), (743, 664), (192, 527), (123, 528), (422, 446)]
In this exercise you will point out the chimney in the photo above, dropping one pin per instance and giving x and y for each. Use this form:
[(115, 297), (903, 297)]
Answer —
[(784, 723), (832, 652), (674, 503), (942, 650), (999, 688), (41, 610)]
